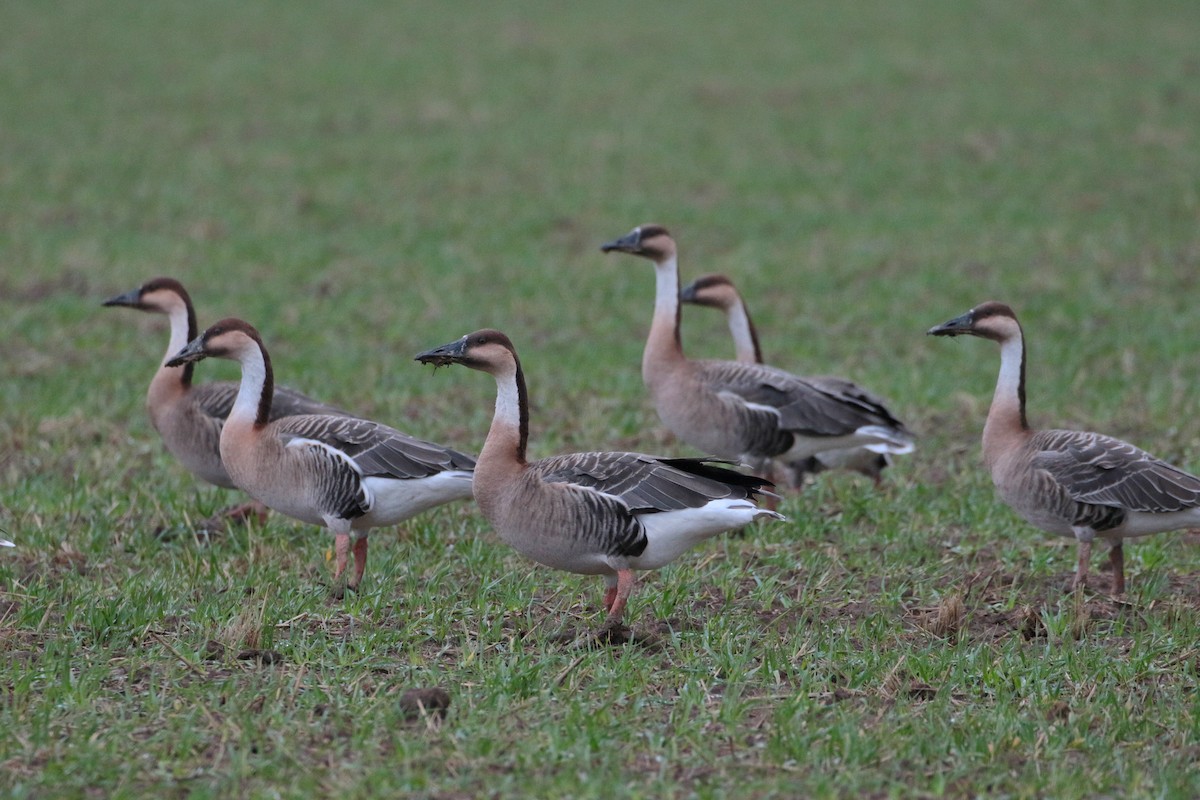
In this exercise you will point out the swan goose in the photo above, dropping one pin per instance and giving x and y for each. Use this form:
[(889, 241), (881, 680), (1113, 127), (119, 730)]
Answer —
[(741, 411), (600, 513), (718, 291), (1071, 483), (189, 416), (345, 473)]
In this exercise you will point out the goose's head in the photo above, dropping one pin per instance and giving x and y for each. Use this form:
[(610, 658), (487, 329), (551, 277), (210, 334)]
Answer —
[(714, 291), (160, 296), (990, 320), (485, 350), (648, 241), (228, 338)]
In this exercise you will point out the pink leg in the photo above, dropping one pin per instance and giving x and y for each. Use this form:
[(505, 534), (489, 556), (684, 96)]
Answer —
[(1116, 557), (610, 597), (625, 584), (341, 549), (1081, 568), (360, 561)]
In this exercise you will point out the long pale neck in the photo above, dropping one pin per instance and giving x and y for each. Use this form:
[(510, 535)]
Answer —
[(745, 338), (507, 438), (252, 406), (183, 330), (1006, 418), (663, 345)]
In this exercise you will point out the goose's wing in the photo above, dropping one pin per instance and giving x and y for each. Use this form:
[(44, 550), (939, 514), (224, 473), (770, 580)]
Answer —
[(216, 400), (376, 450), (290, 403), (1100, 470), (609, 492), (851, 392), (646, 484), (325, 459), (820, 407)]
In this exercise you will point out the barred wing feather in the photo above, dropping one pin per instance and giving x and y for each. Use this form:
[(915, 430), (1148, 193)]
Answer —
[(377, 450), (818, 406), (216, 399), (647, 484), (1101, 470)]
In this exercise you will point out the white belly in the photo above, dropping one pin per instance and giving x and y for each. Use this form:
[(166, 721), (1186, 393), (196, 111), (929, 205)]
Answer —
[(1140, 523), (672, 533), (872, 437), (397, 500)]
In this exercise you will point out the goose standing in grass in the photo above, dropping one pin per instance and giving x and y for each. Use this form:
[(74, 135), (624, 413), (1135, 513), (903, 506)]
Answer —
[(718, 291), (1071, 483), (188, 416), (592, 513), (746, 412), (345, 473)]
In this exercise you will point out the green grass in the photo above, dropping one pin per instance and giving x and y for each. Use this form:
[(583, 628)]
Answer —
[(364, 181)]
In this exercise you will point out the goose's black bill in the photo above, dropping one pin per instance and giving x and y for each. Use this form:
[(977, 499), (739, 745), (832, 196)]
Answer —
[(192, 351), (445, 355), (629, 243), (132, 299), (955, 327)]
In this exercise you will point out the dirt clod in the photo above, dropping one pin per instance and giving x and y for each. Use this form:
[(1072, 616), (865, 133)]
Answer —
[(919, 690), (1032, 626), (1058, 711), (262, 656), (433, 702), (949, 617), (613, 633)]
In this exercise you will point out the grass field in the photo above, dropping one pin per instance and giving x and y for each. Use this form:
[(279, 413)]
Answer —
[(363, 181)]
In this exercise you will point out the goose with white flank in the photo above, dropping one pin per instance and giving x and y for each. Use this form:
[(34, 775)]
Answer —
[(746, 412), (718, 291), (1071, 483), (606, 513), (347, 474), (189, 416), (6, 543)]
